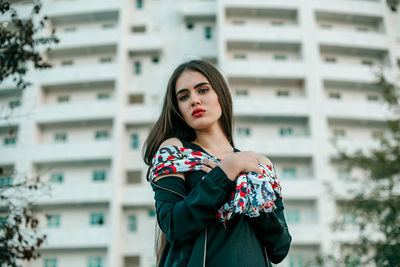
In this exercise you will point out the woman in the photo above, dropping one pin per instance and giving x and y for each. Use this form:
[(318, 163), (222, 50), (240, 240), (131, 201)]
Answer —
[(197, 115)]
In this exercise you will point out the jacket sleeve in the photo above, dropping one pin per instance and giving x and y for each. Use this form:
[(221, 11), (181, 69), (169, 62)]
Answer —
[(272, 230), (181, 215)]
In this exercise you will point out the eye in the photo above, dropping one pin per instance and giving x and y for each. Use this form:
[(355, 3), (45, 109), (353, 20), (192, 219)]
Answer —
[(203, 90), (183, 97)]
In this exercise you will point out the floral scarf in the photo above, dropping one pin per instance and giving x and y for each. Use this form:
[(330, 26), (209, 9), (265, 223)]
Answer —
[(254, 192)]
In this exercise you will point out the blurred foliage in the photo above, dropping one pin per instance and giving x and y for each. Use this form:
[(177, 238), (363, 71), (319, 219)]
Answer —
[(19, 43), (19, 46), (375, 199)]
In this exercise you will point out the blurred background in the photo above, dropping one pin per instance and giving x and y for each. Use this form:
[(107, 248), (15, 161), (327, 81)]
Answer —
[(301, 72)]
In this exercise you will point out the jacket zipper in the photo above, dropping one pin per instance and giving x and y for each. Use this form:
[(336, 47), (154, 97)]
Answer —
[(266, 256), (205, 238), (205, 249)]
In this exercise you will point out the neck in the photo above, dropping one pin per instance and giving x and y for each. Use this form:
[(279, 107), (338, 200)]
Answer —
[(213, 139)]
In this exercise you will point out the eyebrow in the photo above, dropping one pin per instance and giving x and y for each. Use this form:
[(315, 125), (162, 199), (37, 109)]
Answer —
[(185, 89)]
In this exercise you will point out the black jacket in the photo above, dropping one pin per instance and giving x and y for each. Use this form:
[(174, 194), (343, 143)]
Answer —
[(186, 214)]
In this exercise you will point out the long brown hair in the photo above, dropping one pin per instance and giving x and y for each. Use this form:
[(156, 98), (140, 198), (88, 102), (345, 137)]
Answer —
[(171, 124)]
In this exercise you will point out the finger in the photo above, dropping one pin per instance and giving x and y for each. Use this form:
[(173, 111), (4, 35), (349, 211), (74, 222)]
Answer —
[(210, 163), (204, 168)]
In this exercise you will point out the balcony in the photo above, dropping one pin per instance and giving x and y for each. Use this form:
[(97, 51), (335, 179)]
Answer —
[(87, 38), (272, 69), (248, 32), (73, 194), (141, 195), (77, 74), (74, 238), (305, 234), (348, 73), (368, 40), (288, 6), (250, 106), (74, 112), (357, 110), (366, 8), (142, 114), (299, 188), (140, 44), (106, 9), (277, 147), (71, 151), (194, 10)]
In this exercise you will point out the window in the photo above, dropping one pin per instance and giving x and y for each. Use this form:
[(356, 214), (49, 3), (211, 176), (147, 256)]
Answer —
[(135, 141), (277, 23), (372, 98), (152, 213), (334, 95), (367, 62), (103, 95), (295, 260), (377, 134), (136, 99), (9, 141), (138, 29), (286, 131), (207, 32), (352, 260), (292, 216), (242, 92), (190, 26), (280, 57), (155, 59), (137, 67), (95, 262), (57, 177), (132, 223), (134, 177), (289, 173), (282, 93), (330, 59), (14, 103), (343, 174), (105, 60), (97, 218), (239, 56), (53, 221), (66, 63), (362, 29), (238, 22), (339, 133), (50, 262), (108, 26), (99, 176), (326, 26), (243, 131), (63, 99), (139, 4), (101, 135), (5, 181), (70, 29), (60, 137), (347, 217)]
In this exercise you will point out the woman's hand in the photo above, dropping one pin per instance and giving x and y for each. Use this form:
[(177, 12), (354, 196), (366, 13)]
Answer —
[(235, 163)]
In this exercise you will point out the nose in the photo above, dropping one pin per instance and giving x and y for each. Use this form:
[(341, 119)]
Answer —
[(195, 100)]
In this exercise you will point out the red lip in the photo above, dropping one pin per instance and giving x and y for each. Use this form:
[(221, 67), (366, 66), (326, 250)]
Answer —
[(198, 112)]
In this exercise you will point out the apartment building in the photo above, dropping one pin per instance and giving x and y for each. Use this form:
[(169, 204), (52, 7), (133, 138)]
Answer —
[(301, 73)]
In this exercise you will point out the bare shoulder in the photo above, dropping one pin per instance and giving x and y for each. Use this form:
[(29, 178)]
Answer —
[(171, 142), (264, 160)]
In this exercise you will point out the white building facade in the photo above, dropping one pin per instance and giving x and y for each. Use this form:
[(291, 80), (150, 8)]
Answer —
[(301, 72)]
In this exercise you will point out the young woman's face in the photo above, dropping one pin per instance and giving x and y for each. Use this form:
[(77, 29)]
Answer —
[(197, 100)]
